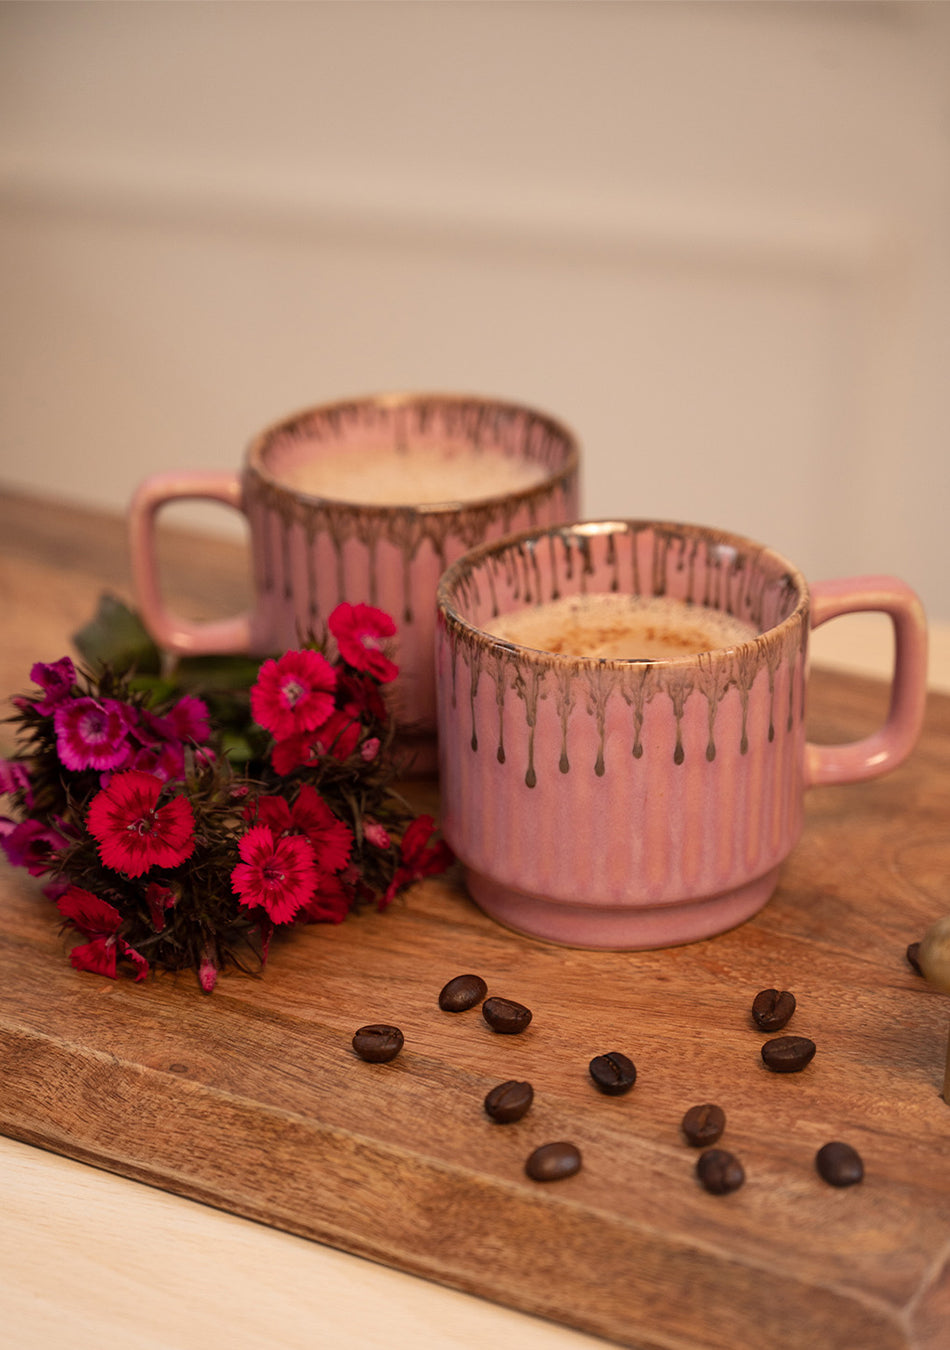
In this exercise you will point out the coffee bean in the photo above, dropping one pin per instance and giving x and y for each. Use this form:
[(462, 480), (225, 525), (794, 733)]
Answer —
[(551, 1162), (509, 1101), (378, 1043), (788, 1054), (613, 1073), (462, 993), (506, 1016), (771, 1008), (704, 1124), (912, 961), (719, 1171), (839, 1164)]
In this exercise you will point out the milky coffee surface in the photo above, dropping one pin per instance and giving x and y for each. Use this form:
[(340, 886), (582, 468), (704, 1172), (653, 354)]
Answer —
[(419, 475), (616, 626)]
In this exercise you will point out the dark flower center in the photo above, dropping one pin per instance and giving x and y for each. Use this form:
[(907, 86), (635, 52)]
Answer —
[(93, 726), (144, 825), (293, 692)]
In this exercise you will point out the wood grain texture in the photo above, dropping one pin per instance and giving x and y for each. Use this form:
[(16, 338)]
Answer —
[(252, 1099)]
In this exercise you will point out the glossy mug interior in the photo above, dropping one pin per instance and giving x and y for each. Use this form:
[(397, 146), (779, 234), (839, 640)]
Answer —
[(366, 501), (649, 799)]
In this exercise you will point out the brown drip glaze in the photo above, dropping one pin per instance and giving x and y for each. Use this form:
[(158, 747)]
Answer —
[(510, 429), (721, 571)]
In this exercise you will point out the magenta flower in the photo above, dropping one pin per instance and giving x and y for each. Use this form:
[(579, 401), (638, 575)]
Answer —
[(293, 752), (361, 632), (359, 691), (330, 902), (293, 694), (418, 856), (276, 874), (338, 737), (15, 778), (329, 838), (91, 733), (208, 969), (377, 834), (166, 762), (190, 720), (134, 833), (100, 922), (158, 898), (56, 679), (311, 817), (31, 844)]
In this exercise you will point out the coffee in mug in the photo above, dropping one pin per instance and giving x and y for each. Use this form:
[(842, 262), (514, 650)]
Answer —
[(366, 501), (622, 746), (621, 627)]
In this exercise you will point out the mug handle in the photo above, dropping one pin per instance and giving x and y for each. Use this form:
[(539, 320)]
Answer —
[(169, 631), (884, 749)]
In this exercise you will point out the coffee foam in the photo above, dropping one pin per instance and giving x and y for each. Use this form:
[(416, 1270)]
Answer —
[(621, 627), (386, 475)]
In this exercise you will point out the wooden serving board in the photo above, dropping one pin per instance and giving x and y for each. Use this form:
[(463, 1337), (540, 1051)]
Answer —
[(252, 1100)]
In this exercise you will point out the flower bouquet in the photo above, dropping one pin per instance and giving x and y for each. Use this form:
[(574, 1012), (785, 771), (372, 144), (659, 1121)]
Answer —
[(180, 817)]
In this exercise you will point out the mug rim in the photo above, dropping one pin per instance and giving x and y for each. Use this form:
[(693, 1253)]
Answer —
[(535, 656), (255, 453)]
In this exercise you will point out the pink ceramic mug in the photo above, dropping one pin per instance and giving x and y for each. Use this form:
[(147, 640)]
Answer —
[(608, 801), (366, 501)]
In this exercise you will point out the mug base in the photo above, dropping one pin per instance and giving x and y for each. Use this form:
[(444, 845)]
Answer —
[(619, 928)]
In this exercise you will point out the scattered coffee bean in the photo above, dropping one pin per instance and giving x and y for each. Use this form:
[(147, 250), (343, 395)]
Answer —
[(772, 1008), (378, 1043), (506, 1016), (613, 1073), (462, 993), (839, 1164), (912, 961), (788, 1054), (719, 1171), (551, 1162), (704, 1124), (509, 1101)]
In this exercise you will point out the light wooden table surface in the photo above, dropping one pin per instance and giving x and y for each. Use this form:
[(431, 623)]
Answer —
[(89, 1259)]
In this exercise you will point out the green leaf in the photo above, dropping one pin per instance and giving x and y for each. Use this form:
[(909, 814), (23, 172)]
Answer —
[(237, 747), (216, 672), (115, 637)]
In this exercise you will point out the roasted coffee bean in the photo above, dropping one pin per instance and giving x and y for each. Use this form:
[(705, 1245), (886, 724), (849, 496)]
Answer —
[(719, 1171), (378, 1043), (839, 1164), (509, 1101), (506, 1016), (613, 1073), (788, 1054), (704, 1124), (462, 993), (772, 1008), (912, 961), (551, 1162)]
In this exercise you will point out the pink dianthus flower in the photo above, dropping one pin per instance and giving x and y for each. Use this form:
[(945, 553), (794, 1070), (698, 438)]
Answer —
[(91, 733), (100, 922), (293, 694), (134, 833), (361, 632), (276, 874)]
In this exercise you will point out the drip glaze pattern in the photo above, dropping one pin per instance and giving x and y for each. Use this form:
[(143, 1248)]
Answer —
[(622, 802), (310, 553)]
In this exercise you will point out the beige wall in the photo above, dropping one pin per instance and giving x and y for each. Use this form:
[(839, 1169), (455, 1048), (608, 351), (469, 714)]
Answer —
[(715, 238)]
